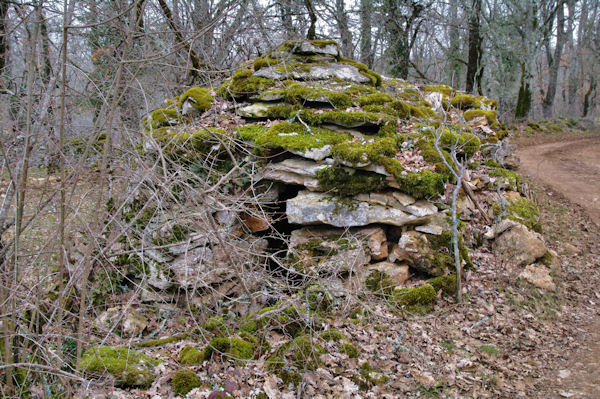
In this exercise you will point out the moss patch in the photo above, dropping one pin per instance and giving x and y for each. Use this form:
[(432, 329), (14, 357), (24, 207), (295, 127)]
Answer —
[(510, 179), (200, 98), (380, 283), (491, 115), (424, 184), (445, 283), (233, 347), (191, 355), (128, 367), (369, 377), (372, 151), (348, 182), (524, 211), (364, 70), (349, 349), (298, 94), (162, 117), (291, 358), (465, 101), (294, 136), (243, 84), (184, 381), (417, 299)]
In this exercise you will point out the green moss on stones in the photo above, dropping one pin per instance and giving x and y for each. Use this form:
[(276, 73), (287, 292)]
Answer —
[(298, 94), (424, 184), (163, 341), (191, 355), (348, 182), (372, 151), (364, 70), (184, 381), (200, 98), (243, 84), (430, 154), (417, 299), (491, 115), (445, 283), (444, 89), (128, 367), (466, 143), (405, 110), (294, 136), (251, 131), (264, 62), (526, 212), (465, 101), (375, 98), (510, 179), (162, 117), (357, 119)]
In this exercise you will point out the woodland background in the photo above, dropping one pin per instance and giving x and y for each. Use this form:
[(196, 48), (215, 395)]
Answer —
[(77, 77)]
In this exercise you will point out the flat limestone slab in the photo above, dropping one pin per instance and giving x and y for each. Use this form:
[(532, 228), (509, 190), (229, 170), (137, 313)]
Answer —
[(309, 208)]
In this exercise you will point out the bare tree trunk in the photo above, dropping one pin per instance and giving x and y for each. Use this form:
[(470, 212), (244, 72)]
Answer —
[(366, 15), (474, 61), (454, 72), (311, 34), (286, 19), (193, 56), (574, 54), (554, 61), (4, 4), (345, 34)]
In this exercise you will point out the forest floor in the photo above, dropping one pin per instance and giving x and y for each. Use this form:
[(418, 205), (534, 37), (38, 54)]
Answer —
[(565, 170)]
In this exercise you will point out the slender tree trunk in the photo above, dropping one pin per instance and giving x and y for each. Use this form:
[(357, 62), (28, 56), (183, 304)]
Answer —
[(311, 34), (286, 19), (4, 5), (366, 15), (345, 34), (554, 62), (454, 72), (588, 97), (524, 98), (193, 56), (474, 61), (574, 54)]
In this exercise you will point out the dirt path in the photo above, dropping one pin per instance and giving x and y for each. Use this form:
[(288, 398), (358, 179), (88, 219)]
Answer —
[(571, 167)]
